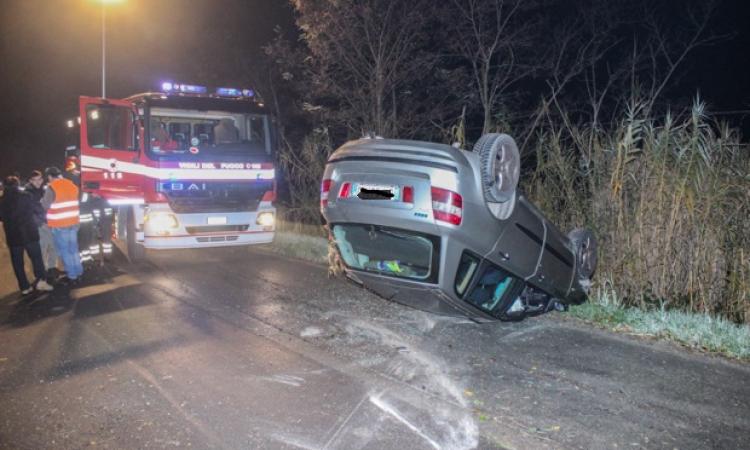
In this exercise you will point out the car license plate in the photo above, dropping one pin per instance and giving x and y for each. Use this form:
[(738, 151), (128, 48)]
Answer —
[(376, 191), (217, 220)]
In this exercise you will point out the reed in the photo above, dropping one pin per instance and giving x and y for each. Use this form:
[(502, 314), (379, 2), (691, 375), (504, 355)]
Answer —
[(669, 199)]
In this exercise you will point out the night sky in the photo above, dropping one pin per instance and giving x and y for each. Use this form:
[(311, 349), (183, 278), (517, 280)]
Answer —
[(51, 53)]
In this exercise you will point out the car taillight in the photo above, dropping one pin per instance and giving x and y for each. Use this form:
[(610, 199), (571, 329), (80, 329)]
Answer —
[(345, 190), (408, 195), (325, 189), (447, 206)]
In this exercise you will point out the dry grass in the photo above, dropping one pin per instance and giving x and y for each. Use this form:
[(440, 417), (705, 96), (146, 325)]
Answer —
[(669, 199), (699, 331)]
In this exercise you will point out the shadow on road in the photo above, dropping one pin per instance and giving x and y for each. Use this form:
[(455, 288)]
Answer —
[(132, 352), (104, 290)]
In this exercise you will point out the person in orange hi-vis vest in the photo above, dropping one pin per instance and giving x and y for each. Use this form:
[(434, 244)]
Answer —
[(61, 202)]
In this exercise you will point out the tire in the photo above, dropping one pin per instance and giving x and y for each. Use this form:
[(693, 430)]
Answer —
[(500, 164), (136, 251), (585, 248)]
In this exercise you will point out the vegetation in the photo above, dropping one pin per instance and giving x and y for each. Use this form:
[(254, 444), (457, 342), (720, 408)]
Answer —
[(669, 200), (606, 140), (699, 331)]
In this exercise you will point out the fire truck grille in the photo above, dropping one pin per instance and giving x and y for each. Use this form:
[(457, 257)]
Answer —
[(216, 228), (203, 197)]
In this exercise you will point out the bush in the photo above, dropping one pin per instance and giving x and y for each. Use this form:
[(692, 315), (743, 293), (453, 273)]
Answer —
[(303, 170), (669, 200)]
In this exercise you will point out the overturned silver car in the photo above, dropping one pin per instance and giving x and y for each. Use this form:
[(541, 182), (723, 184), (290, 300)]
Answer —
[(447, 230)]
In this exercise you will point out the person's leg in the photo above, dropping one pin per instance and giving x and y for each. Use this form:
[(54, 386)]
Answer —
[(61, 245), (105, 231), (16, 258), (35, 255), (48, 247), (85, 240), (75, 256)]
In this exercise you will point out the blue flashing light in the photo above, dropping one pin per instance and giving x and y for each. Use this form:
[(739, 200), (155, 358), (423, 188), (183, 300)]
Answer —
[(228, 92), (170, 87), (191, 89)]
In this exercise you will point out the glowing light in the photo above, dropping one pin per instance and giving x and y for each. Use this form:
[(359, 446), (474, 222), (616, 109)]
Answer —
[(70, 123), (160, 222), (94, 114), (265, 219), (166, 86), (229, 92), (191, 89)]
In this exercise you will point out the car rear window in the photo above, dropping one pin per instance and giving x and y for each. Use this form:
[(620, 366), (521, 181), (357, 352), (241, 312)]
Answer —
[(388, 251)]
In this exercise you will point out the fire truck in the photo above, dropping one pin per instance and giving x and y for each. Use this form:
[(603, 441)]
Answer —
[(183, 167)]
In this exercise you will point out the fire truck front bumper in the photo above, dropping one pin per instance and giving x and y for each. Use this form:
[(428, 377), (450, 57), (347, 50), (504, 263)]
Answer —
[(164, 229)]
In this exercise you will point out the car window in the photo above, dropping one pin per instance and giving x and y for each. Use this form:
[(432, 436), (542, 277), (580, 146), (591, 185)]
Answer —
[(388, 251), (466, 269), (494, 289)]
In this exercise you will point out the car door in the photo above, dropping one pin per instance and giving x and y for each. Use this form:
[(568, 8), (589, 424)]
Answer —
[(520, 245), (557, 268), (110, 153)]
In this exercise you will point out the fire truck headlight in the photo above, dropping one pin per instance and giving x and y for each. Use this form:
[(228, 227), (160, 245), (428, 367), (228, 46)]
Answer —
[(265, 219), (161, 222)]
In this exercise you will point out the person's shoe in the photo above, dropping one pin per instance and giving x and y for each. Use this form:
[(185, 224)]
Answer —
[(52, 274), (27, 291), (42, 285), (64, 280)]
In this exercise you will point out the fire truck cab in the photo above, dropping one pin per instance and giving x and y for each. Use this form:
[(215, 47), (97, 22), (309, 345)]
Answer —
[(182, 168)]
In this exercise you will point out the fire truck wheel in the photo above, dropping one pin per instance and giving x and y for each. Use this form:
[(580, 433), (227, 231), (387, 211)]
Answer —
[(136, 251)]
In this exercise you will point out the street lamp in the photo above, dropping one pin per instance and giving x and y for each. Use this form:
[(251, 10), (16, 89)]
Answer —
[(104, 42)]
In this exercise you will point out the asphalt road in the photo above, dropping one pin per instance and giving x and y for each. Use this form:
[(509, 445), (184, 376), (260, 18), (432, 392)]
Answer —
[(239, 348)]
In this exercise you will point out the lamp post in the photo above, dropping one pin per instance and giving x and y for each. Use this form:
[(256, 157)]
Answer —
[(104, 50), (104, 43)]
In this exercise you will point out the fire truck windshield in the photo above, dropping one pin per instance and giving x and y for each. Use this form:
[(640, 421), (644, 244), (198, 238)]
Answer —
[(174, 133)]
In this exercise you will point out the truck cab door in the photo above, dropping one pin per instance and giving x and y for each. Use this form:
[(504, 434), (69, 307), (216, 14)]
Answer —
[(110, 150)]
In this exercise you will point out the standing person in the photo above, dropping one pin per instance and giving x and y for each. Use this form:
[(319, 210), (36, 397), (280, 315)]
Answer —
[(61, 202), (22, 234), (85, 216), (36, 188)]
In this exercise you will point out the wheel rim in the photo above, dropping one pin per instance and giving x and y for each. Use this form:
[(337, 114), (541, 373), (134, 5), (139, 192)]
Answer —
[(505, 168), (587, 257)]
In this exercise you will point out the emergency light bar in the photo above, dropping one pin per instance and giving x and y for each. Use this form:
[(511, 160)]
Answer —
[(234, 92), (184, 88), (228, 92), (169, 87)]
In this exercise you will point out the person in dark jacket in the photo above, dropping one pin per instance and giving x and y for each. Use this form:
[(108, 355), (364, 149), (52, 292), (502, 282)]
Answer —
[(36, 188), (22, 234)]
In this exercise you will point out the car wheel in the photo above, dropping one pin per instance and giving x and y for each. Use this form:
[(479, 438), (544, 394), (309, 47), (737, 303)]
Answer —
[(500, 164), (585, 247)]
